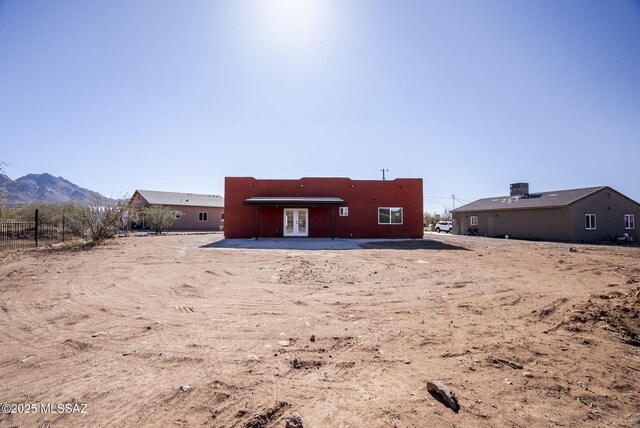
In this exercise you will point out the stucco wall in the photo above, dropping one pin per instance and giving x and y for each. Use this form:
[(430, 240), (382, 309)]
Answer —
[(609, 207), (362, 197), (189, 216), (190, 219), (558, 224), (550, 224)]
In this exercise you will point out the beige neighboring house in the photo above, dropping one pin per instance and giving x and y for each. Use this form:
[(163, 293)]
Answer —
[(574, 215), (194, 212)]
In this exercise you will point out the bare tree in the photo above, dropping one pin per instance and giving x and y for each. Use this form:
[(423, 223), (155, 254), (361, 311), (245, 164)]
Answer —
[(431, 219)]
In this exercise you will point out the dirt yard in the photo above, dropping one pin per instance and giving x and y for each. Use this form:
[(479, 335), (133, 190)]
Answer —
[(170, 331)]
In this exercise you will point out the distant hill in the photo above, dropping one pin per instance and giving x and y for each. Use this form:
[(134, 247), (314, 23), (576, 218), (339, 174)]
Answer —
[(43, 189)]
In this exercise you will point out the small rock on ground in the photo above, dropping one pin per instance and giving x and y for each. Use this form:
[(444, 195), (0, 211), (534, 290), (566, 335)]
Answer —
[(293, 421), (443, 390)]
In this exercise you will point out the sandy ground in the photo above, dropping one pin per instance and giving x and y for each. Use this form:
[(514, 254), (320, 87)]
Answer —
[(343, 338)]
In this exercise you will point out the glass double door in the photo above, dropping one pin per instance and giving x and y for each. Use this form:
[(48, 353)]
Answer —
[(296, 222)]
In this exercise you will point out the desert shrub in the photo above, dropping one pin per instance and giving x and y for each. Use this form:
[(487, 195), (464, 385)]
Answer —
[(101, 220), (46, 212), (159, 217)]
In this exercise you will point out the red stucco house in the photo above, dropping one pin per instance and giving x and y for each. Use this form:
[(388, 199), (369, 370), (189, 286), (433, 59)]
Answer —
[(323, 207)]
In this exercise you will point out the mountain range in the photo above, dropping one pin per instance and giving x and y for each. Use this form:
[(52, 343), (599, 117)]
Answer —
[(43, 189)]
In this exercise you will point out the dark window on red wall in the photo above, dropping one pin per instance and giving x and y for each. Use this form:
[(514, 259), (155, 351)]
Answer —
[(389, 215)]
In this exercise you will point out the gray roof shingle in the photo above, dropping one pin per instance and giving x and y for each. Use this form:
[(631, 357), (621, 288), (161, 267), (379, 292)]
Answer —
[(183, 199), (558, 198)]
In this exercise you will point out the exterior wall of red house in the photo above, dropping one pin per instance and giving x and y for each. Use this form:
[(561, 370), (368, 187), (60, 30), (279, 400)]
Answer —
[(362, 197)]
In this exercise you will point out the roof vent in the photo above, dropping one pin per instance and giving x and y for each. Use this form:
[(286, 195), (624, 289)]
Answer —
[(519, 189)]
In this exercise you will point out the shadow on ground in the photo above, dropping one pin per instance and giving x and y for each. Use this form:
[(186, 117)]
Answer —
[(331, 244), (441, 400), (416, 244)]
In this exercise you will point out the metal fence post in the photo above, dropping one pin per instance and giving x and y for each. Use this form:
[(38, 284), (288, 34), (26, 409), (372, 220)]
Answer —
[(36, 234)]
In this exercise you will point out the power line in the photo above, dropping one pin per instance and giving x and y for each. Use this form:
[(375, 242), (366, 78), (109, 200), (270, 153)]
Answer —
[(447, 197), (426, 198), (435, 202)]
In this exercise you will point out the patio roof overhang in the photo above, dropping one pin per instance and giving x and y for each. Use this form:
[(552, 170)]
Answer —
[(293, 201)]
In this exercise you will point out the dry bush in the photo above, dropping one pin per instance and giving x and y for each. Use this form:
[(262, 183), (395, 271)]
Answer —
[(159, 217), (101, 220), (46, 212)]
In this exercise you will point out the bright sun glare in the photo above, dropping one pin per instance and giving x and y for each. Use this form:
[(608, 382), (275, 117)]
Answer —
[(292, 27)]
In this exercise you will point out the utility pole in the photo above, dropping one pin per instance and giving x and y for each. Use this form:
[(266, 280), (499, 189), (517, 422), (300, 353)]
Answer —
[(383, 171), (453, 197)]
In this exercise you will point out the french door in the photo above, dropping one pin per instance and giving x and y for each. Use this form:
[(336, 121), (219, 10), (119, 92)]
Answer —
[(296, 222)]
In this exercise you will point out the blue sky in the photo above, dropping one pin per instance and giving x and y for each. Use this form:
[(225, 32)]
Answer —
[(469, 95)]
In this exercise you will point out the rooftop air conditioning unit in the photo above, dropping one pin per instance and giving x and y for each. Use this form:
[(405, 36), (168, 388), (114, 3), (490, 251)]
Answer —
[(519, 189)]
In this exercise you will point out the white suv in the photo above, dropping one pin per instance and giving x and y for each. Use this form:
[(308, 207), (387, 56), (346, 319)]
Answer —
[(444, 226)]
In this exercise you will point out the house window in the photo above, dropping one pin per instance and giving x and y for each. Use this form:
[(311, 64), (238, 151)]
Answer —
[(178, 215), (202, 216), (629, 221), (389, 215), (344, 211), (473, 220), (590, 221), (221, 216)]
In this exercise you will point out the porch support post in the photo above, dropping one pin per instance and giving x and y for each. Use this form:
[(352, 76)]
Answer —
[(333, 222), (257, 220)]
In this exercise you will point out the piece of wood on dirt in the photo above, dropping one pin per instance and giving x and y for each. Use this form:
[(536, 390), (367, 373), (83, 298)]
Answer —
[(496, 360), (448, 396)]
